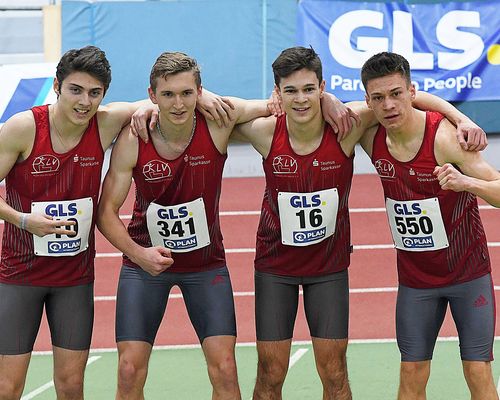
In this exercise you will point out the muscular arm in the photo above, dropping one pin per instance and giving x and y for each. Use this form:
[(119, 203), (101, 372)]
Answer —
[(476, 176), (16, 142), (244, 111), (113, 117), (259, 132), (153, 260), (470, 136)]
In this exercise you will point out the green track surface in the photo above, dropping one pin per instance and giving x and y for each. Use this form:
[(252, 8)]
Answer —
[(181, 374)]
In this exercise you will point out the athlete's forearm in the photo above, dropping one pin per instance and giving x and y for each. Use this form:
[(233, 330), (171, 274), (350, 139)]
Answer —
[(9, 214), (111, 226), (488, 190)]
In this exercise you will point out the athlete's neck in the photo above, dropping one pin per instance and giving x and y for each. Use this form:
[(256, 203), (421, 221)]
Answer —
[(305, 137)]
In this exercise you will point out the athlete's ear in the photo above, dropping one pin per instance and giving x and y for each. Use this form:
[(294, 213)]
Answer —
[(367, 100), (413, 92), (152, 95), (322, 89), (199, 90), (56, 86)]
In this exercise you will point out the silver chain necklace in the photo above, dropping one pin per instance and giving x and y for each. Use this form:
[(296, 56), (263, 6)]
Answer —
[(164, 137)]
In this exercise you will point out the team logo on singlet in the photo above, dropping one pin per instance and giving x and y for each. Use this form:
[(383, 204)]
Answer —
[(284, 165), (384, 168), (45, 164), (156, 170)]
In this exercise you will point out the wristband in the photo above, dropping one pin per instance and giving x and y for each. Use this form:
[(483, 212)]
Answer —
[(22, 222)]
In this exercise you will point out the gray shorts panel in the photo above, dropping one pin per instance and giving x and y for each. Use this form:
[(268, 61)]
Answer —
[(70, 313), (420, 314), (326, 304), (142, 300)]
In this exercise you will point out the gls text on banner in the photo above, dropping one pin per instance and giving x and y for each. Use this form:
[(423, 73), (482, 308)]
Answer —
[(453, 48)]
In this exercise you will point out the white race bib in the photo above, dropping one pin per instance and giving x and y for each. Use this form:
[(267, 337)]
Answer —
[(181, 228), (417, 225), (79, 211), (307, 218)]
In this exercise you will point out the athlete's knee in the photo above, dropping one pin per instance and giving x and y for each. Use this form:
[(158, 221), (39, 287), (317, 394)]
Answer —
[(271, 371), (129, 372), (223, 371), (69, 386), (477, 372), (10, 390), (334, 371)]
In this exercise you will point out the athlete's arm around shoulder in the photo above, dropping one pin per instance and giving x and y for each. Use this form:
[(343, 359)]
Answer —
[(116, 187), (16, 141), (114, 116), (259, 132), (243, 111), (476, 176), (360, 131)]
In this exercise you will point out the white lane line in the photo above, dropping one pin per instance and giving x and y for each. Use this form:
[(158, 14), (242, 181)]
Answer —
[(296, 357), (50, 384)]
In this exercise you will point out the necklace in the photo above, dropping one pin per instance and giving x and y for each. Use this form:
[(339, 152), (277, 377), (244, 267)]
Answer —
[(164, 136), (59, 136)]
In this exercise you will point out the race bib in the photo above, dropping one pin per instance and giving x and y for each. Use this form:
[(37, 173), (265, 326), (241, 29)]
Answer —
[(181, 228), (417, 225), (54, 245), (307, 218)]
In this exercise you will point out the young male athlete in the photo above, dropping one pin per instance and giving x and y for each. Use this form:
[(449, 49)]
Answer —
[(174, 237), (442, 253), (51, 157), (304, 233)]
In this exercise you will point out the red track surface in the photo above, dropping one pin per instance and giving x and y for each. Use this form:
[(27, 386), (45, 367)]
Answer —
[(371, 314)]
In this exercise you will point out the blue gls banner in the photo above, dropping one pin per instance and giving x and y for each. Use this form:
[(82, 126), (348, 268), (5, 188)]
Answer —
[(453, 48)]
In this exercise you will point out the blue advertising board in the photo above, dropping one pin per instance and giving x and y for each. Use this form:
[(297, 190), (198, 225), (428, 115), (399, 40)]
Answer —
[(453, 48)]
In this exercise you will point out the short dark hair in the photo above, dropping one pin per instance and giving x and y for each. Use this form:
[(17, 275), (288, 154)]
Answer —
[(173, 63), (383, 64), (294, 59), (89, 59)]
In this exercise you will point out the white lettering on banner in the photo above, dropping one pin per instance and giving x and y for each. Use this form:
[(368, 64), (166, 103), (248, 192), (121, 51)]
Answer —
[(467, 46), (458, 83), (449, 35)]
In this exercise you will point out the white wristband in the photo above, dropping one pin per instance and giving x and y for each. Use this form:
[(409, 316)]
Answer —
[(22, 222)]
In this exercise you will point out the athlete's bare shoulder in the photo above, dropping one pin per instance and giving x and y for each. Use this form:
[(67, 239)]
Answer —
[(17, 134)]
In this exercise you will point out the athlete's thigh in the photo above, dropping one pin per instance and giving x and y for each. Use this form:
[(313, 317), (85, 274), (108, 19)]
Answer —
[(419, 316), (276, 302), (473, 308), (21, 309), (326, 303), (208, 296), (70, 313), (140, 304)]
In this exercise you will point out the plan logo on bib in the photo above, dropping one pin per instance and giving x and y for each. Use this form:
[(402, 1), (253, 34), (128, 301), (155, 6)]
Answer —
[(156, 170)]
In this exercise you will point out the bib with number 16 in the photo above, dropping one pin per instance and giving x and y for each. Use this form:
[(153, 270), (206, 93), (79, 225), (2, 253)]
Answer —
[(307, 218)]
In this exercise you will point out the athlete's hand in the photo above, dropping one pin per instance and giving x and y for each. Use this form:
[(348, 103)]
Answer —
[(451, 179), (139, 121), (338, 115), (471, 137), (215, 108), (274, 104), (41, 225), (154, 260)]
